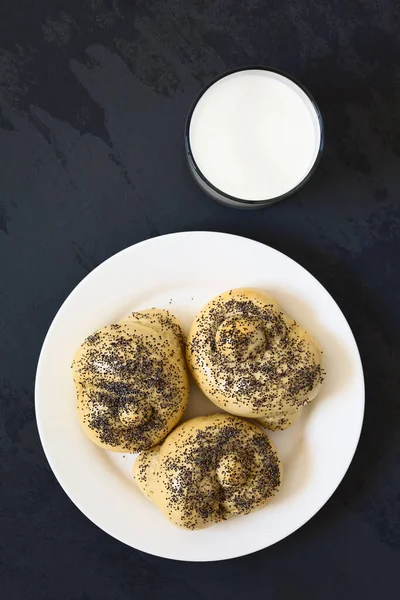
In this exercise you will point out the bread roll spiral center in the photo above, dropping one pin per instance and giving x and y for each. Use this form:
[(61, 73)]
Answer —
[(231, 471), (134, 413), (239, 339)]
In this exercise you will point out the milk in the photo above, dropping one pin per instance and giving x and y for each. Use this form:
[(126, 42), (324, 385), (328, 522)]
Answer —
[(254, 135)]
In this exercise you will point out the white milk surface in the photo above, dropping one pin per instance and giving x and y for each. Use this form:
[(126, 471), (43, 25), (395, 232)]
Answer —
[(254, 135)]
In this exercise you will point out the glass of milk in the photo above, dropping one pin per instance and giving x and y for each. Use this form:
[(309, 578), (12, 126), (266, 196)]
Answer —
[(253, 136)]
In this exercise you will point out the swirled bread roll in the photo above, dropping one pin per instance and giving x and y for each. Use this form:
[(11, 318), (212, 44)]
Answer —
[(252, 360), (131, 380), (209, 469)]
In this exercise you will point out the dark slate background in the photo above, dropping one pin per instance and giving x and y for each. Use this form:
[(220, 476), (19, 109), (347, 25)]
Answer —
[(93, 97)]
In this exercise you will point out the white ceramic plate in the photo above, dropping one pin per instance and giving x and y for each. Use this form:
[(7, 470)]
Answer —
[(181, 272)]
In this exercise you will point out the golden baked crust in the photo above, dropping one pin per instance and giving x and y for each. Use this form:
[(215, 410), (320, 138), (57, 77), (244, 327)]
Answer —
[(252, 360), (131, 381), (209, 469)]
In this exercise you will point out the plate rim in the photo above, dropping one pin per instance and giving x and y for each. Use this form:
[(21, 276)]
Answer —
[(59, 477)]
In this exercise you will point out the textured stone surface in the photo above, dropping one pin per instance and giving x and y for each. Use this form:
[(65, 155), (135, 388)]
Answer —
[(93, 98)]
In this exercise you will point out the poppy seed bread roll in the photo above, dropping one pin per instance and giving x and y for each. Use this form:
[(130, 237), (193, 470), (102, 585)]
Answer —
[(131, 381), (208, 469), (252, 360)]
